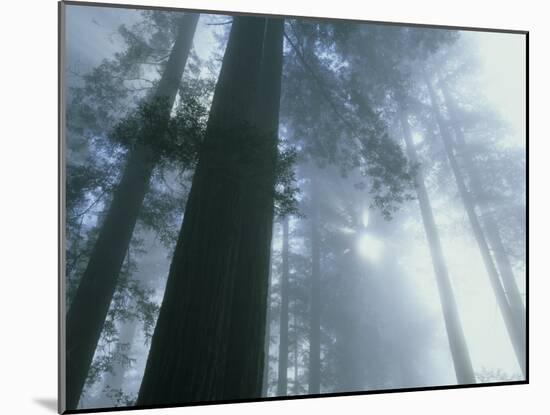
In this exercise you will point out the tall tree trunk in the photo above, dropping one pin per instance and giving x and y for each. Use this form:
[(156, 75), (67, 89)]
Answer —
[(315, 296), (455, 334), (283, 321), (208, 341), (90, 305), (489, 224), (267, 341), (250, 306), (296, 348), (514, 333)]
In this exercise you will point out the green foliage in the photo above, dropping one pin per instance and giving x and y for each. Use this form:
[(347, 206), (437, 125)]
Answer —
[(105, 363), (146, 125), (174, 137), (188, 123), (391, 177), (286, 190), (329, 109)]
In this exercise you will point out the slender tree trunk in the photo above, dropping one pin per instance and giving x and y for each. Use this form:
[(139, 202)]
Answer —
[(296, 348), (315, 296), (507, 275), (455, 334), (283, 336), (489, 224), (208, 341), (267, 341), (90, 305), (514, 333)]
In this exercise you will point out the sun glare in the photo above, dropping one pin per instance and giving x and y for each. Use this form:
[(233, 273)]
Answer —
[(370, 248)]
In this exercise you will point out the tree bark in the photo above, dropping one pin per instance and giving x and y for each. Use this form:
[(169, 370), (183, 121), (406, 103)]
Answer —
[(315, 296), (489, 224), (518, 343), (208, 341), (283, 321), (459, 349), (90, 305)]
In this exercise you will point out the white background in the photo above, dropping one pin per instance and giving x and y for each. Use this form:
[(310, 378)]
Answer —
[(28, 204)]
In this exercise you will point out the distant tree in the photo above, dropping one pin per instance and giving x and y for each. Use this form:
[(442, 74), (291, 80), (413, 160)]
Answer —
[(457, 342), (283, 324), (511, 323), (315, 294), (491, 229)]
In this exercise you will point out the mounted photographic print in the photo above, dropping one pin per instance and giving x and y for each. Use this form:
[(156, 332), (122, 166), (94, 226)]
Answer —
[(255, 207)]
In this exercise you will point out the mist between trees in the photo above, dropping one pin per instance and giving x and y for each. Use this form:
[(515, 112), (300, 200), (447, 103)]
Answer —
[(274, 207)]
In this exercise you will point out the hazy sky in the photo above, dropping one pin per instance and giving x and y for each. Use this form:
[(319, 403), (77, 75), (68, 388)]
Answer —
[(502, 57), (92, 34)]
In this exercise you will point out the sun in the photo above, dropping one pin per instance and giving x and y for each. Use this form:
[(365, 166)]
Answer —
[(370, 248)]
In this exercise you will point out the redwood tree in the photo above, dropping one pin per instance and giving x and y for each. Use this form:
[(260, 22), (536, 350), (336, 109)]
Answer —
[(209, 339)]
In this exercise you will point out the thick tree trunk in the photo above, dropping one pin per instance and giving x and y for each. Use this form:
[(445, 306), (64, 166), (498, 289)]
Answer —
[(315, 296), (455, 334), (90, 305), (513, 330), (250, 306), (489, 224), (282, 380), (208, 341)]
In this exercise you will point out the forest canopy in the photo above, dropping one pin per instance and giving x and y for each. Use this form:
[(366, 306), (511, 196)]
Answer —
[(264, 206)]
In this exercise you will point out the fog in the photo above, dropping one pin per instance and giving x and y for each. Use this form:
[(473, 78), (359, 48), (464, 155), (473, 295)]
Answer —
[(361, 284)]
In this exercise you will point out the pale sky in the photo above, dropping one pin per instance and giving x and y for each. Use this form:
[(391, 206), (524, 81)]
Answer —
[(503, 68)]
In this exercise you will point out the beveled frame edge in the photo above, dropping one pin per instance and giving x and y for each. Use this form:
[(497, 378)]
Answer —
[(61, 302)]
